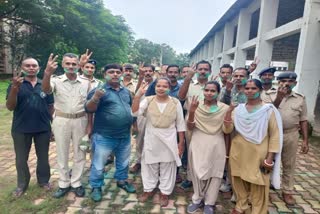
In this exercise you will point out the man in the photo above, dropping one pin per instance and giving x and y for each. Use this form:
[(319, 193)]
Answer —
[(111, 131), (128, 73), (202, 70), (70, 121), (293, 109), (172, 73), (267, 76), (146, 73), (234, 91), (187, 91), (225, 76), (31, 121), (88, 70), (183, 73)]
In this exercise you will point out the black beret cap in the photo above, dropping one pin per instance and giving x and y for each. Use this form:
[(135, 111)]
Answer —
[(267, 70), (93, 62), (287, 75)]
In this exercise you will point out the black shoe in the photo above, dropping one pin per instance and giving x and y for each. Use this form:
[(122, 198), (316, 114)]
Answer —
[(61, 192), (79, 191)]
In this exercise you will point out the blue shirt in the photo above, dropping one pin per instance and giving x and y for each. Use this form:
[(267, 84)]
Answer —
[(113, 115), (31, 114), (173, 90)]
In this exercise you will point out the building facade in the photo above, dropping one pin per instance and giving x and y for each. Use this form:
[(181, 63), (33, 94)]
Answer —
[(286, 31)]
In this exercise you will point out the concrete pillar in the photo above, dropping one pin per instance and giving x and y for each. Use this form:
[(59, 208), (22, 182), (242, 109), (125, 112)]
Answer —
[(201, 53), (206, 51), (210, 48), (240, 55), (218, 37), (308, 63), (227, 42), (267, 22)]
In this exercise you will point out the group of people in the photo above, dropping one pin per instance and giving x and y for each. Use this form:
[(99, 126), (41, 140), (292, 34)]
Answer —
[(235, 130)]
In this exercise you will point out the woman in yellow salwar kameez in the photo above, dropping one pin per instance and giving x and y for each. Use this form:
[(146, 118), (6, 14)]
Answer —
[(257, 141)]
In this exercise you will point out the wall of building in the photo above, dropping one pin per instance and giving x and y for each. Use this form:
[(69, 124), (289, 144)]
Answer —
[(272, 30)]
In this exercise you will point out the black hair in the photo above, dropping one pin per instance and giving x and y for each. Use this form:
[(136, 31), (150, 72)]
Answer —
[(213, 82), (242, 68), (112, 66), (150, 66), (185, 66), (227, 66), (203, 62), (256, 82), (173, 66), (163, 78), (71, 55)]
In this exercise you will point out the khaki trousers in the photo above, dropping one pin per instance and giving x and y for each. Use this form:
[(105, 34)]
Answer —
[(66, 130), (205, 189), (258, 194), (288, 158)]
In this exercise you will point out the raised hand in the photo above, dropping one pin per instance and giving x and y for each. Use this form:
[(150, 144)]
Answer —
[(254, 64), (229, 85), (52, 64), (17, 80), (99, 93), (141, 70), (233, 105), (282, 92), (85, 57), (194, 104), (143, 89), (191, 71)]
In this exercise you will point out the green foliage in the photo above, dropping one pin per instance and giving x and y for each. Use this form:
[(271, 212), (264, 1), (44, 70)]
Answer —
[(40, 27), (37, 28), (146, 51)]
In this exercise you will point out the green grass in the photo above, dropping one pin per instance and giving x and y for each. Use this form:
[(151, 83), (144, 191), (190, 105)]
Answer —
[(25, 204), (3, 90), (5, 126)]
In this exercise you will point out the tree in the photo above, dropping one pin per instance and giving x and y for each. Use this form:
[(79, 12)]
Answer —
[(183, 59), (54, 26)]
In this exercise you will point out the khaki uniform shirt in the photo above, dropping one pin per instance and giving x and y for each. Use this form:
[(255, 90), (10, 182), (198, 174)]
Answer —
[(195, 89), (265, 97), (69, 96), (94, 82), (293, 109), (131, 86)]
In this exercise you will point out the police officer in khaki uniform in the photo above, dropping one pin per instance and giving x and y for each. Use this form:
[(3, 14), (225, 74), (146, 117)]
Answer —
[(127, 80), (293, 109), (88, 69), (266, 77), (70, 121)]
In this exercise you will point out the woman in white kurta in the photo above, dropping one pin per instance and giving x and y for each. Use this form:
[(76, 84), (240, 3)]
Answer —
[(161, 152), (207, 150)]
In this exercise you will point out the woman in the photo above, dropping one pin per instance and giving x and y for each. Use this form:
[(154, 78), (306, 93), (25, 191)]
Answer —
[(258, 139), (207, 151), (161, 153)]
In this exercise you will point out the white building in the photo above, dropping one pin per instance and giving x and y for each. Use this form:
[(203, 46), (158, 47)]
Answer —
[(274, 31)]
